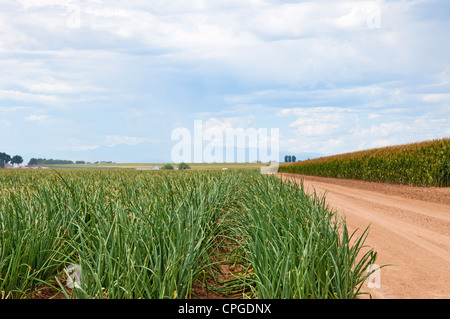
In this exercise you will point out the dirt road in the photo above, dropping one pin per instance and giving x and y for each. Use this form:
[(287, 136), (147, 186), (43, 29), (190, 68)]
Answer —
[(409, 228)]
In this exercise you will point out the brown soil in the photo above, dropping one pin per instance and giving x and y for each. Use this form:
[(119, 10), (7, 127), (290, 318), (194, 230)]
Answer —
[(226, 271), (50, 291), (409, 228), (201, 291)]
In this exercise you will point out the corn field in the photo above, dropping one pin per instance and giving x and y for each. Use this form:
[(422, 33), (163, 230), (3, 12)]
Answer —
[(158, 235), (420, 164)]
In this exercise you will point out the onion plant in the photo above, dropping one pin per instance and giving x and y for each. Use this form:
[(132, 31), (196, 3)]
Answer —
[(149, 234), (296, 246)]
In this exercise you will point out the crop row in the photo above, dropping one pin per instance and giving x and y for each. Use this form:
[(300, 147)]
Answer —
[(421, 164), (158, 234)]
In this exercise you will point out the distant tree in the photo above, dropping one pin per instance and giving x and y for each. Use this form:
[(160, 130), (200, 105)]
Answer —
[(80, 162), (168, 166), (286, 159), (2, 164), (5, 157), (55, 162), (17, 159), (33, 162), (293, 158), (183, 166)]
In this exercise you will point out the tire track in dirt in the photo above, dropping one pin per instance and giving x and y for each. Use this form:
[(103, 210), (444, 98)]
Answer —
[(413, 235)]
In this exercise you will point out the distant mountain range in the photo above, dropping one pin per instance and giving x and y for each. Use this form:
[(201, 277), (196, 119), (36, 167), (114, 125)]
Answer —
[(143, 153)]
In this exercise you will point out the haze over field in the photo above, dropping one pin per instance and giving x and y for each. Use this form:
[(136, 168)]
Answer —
[(110, 80)]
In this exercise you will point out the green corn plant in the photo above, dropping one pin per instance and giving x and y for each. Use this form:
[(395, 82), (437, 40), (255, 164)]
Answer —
[(420, 164)]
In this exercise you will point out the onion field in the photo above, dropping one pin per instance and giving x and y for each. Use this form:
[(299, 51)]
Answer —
[(168, 234), (419, 164)]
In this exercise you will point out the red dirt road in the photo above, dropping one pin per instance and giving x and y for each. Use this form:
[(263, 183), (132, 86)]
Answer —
[(409, 229)]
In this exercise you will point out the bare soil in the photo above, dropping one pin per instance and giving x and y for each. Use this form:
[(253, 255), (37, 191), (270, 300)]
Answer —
[(409, 228)]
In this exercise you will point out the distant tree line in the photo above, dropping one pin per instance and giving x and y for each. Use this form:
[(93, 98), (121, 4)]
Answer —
[(17, 159), (180, 166), (290, 158), (7, 159), (40, 161), (44, 161)]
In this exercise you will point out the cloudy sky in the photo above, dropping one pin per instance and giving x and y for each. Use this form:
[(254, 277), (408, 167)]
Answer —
[(111, 80)]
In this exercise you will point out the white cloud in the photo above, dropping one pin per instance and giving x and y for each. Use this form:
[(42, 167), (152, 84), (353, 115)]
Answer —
[(34, 78), (325, 130), (288, 43), (312, 144), (352, 96), (443, 77), (362, 14), (85, 147), (228, 122), (217, 125), (4, 123), (334, 130), (201, 29), (436, 98), (113, 140), (55, 87), (37, 118), (18, 95), (386, 129), (12, 37), (322, 121), (381, 143), (26, 4), (8, 109)]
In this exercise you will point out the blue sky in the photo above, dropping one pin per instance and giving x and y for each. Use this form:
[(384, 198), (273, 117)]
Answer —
[(110, 80)]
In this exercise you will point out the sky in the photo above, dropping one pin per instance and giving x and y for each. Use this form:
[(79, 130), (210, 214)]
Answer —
[(99, 80)]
